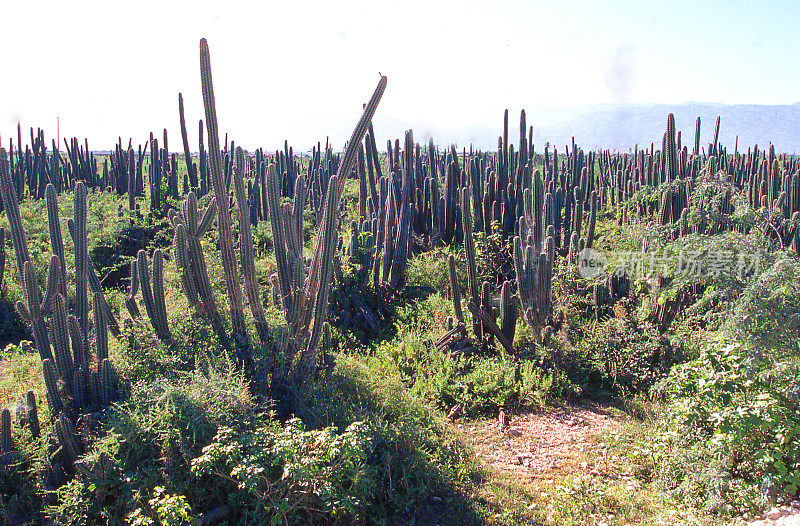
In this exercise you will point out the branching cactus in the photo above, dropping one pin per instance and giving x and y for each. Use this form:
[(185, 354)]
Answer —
[(469, 250), (190, 227), (534, 279), (152, 285)]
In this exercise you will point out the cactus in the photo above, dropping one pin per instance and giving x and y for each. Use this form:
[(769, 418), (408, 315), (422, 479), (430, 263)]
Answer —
[(455, 289), (152, 285), (32, 311), (190, 226), (54, 228), (94, 285), (130, 301), (252, 287), (81, 256), (67, 439), (508, 311), (469, 251), (534, 275), (107, 387), (100, 329), (191, 170), (32, 413), (592, 220), (11, 205), (51, 385), (232, 283), (6, 443), (59, 332)]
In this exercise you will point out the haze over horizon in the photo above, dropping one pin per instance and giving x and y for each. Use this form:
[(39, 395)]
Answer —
[(301, 71)]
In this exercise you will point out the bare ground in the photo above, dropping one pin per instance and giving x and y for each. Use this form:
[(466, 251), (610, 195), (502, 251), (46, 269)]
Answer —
[(548, 445)]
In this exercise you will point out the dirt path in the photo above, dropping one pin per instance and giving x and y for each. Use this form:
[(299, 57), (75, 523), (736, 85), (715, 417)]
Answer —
[(547, 445)]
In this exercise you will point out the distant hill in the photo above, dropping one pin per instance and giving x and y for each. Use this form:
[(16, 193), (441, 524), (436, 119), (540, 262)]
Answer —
[(624, 126), (621, 126)]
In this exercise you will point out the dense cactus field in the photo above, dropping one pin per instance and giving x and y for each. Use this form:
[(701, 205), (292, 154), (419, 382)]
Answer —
[(215, 335)]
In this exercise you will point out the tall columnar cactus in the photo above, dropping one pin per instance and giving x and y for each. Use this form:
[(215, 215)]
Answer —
[(11, 206), (311, 303), (94, 285), (232, 283), (50, 376), (190, 227), (100, 329), (152, 285), (133, 289), (534, 278), (107, 387), (59, 332), (469, 251), (81, 256), (32, 310), (508, 311), (6, 443), (54, 228), (33, 414), (595, 201), (455, 289), (191, 170), (68, 440), (282, 255), (251, 284)]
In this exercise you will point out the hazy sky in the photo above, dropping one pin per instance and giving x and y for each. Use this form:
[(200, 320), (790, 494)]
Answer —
[(301, 69)]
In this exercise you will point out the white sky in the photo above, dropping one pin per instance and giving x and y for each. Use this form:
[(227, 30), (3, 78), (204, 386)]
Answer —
[(298, 70)]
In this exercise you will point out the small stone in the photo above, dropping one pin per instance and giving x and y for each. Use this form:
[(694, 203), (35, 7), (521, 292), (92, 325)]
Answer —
[(584, 465), (773, 514), (436, 500)]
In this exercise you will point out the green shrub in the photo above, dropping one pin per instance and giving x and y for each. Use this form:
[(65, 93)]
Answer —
[(291, 475), (767, 314), (731, 434)]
